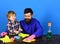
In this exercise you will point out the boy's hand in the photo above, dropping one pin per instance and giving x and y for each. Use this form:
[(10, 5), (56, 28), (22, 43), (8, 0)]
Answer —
[(10, 30), (20, 29), (16, 32), (3, 33)]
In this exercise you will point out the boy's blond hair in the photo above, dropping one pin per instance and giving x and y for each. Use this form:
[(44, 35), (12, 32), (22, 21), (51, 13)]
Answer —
[(10, 13)]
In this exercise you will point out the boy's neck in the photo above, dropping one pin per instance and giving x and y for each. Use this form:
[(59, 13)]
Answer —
[(13, 21)]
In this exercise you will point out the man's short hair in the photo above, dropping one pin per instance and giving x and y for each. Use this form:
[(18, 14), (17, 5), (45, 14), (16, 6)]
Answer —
[(28, 10)]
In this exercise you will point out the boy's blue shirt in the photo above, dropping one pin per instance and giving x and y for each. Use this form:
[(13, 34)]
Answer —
[(33, 27)]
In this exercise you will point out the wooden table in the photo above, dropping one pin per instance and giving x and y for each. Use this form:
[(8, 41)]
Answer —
[(42, 40)]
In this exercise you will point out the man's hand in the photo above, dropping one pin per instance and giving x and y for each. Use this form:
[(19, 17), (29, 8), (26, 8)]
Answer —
[(30, 38)]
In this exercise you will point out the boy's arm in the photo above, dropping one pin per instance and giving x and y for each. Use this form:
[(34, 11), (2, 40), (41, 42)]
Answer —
[(18, 31), (20, 28), (8, 27)]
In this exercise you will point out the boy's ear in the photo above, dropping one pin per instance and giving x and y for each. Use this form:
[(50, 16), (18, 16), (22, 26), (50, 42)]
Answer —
[(8, 18)]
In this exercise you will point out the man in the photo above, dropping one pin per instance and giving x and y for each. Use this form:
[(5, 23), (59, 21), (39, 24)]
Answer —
[(30, 25)]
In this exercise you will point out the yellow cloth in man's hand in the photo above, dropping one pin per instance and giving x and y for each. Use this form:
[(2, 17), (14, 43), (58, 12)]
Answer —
[(23, 35), (29, 40)]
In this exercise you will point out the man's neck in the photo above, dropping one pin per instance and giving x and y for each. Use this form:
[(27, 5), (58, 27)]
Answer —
[(28, 22)]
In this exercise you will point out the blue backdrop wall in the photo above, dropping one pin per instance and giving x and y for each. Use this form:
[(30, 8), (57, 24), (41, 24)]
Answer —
[(44, 11)]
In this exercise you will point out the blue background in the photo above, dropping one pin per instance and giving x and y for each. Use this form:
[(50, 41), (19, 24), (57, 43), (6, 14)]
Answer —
[(44, 11)]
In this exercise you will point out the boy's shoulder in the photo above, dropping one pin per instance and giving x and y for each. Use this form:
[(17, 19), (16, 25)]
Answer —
[(9, 22)]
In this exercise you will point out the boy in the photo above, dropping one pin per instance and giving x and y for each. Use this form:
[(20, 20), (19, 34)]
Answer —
[(13, 25)]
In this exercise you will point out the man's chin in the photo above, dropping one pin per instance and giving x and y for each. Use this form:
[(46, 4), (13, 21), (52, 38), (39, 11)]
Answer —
[(27, 21)]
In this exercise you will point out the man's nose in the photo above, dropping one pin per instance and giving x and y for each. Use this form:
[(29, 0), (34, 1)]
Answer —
[(27, 17)]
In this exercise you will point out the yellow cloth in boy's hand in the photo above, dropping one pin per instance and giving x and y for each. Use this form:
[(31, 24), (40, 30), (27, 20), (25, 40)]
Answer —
[(6, 39), (29, 40), (23, 35)]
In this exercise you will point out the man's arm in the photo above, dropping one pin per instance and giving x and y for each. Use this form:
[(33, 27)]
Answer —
[(39, 30)]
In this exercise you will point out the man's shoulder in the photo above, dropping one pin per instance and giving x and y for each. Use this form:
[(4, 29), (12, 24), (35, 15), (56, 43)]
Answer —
[(21, 20), (35, 20)]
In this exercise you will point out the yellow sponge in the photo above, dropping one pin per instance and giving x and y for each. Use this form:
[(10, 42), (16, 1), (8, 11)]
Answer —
[(6, 39), (29, 40), (23, 35), (26, 41)]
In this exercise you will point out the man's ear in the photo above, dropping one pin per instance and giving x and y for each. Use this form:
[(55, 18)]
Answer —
[(32, 15)]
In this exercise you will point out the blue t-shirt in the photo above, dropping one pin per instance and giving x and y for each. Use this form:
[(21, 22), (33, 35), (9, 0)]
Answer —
[(33, 27)]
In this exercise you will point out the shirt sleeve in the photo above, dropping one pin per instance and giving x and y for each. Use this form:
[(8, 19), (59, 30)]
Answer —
[(39, 30), (19, 28), (7, 28)]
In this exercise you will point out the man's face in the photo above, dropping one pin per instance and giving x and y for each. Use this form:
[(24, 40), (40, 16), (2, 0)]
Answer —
[(28, 17)]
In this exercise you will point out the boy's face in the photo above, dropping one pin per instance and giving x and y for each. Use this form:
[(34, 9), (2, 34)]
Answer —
[(28, 17), (12, 18)]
